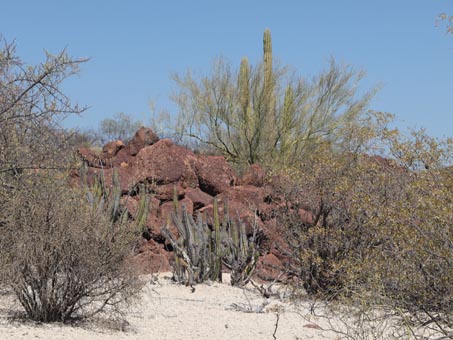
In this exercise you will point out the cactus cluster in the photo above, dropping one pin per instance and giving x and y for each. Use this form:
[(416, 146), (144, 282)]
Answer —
[(201, 251), (241, 253), (108, 199), (194, 259)]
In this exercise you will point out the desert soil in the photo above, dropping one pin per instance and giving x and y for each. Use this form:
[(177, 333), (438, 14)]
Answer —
[(170, 311)]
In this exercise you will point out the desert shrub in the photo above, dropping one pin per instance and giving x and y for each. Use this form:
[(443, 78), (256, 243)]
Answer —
[(61, 254), (380, 225), (32, 105)]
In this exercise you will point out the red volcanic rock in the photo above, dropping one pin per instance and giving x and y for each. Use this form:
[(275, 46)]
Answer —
[(246, 194), (306, 217), (164, 163), (122, 158), (166, 192), (152, 258), (130, 203), (125, 177), (269, 267), (142, 138), (199, 198), (215, 175), (91, 157), (246, 213), (163, 167), (254, 175), (111, 149), (164, 218), (168, 207), (153, 206)]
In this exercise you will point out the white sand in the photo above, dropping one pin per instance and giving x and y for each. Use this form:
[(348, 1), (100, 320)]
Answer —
[(170, 311)]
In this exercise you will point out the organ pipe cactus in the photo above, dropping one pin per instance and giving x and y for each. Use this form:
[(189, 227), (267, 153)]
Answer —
[(241, 253), (109, 199), (193, 262), (201, 252)]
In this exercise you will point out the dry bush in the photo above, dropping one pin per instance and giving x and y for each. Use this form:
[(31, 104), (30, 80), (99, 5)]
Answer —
[(59, 252), (61, 255), (380, 225)]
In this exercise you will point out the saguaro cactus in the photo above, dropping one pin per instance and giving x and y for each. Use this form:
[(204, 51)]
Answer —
[(268, 114), (267, 58), (243, 84)]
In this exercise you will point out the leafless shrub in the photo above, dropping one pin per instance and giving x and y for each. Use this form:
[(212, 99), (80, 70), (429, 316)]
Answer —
[(61, 255)]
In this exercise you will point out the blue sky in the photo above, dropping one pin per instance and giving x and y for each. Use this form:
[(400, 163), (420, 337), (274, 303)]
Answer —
[(135, 46)]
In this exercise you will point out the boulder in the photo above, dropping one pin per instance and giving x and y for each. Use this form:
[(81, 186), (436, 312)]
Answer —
[(151, 258), (214, 174), (166, 192), (130, 203), (306, 217), (125, 177), (164, 163), (254, 175), (90, 157), (246, 194), (142, 138), (237, 212), (122, 158), (164, 218), (199, 198), (269, 267), (111, 149)]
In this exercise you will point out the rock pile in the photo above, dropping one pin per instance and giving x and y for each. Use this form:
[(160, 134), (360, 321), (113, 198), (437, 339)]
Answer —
[(164, 166)]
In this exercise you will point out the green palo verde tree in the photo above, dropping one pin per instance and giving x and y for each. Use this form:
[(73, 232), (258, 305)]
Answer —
[(265, 114)]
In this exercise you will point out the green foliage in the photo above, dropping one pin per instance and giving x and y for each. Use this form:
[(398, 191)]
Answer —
[(265, 114), (381, 228)]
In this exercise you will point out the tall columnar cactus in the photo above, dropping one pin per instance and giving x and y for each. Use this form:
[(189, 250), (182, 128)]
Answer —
[(108, 199), (143, 209), (201, 252), (288, 104), (269, 115), (243, 84), (193, 258), (114, 197), (217, 256), (267, 58), (241, 253)]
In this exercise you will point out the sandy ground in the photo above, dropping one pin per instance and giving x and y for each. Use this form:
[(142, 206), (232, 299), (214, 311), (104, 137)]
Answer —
[(170, 311)]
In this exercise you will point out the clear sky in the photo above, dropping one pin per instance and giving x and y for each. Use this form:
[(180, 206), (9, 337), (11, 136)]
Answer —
[(135, 46)]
